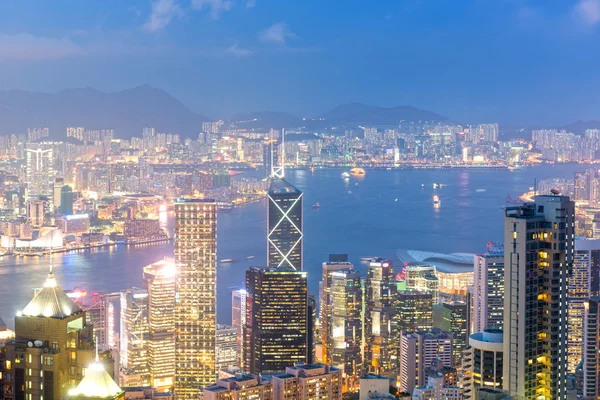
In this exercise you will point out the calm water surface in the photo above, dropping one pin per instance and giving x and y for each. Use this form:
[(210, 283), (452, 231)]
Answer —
[(371, 216)]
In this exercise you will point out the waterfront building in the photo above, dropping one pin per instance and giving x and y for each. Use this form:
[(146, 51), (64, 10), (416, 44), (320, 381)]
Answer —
[(583, 284), (345, 335), (226, 347), (420, 350), (195, 309), (238, 320), (276, 330), (488, 289), (36, 212), (483, 362), (423, 277), (97, 384), (305, 382), (380, 354), (74, 224), (134, 335), (284, 225), (538, 255), (141, 228), (52, 347), (325, 311), (591, 349), (160, 280), (453, 317)]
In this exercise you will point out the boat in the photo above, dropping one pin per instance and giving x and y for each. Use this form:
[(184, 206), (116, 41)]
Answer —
[(436, 199), (514, 168), (357, 172), (345, 174), (316, 206), (250, 257), (435, 185), (226, 260)]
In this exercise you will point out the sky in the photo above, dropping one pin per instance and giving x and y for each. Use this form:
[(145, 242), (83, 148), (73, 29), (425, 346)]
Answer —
[(533, 62)]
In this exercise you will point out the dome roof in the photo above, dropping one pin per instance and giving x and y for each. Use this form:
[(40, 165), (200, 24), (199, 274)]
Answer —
[(96, 383), (51, 302)]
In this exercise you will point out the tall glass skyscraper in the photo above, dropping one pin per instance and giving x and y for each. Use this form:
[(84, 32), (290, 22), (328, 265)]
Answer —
[(277, 321), (284, 225), (538, 256), (195, 309)]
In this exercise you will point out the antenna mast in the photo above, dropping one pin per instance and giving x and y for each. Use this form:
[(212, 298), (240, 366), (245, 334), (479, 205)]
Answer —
[(279, 170)]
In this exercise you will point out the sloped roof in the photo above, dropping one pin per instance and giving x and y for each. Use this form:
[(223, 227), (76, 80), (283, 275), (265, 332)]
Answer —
[(281, 186), (51, 302), (96, 383)]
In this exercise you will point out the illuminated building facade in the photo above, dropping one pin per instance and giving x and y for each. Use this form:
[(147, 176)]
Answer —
[(413, 312), (538, 255), (35, 213), (345, 335), (380, 291), (240, 387), (97, 384), (488, 289), (238, 319), (453, 317), (591, 349), (134, 334), (325, 311), (195, 310), (159, 281), (39, 173), (52, 347), (483, 362), (66, 200), (276, 331), (284, 225), (309, 381), (583, 284), (75, 224), (226, 347), (423, 277)]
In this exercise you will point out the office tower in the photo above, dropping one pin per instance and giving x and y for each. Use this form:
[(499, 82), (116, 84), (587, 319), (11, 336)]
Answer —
[(100, 313), (276, 331), (59, 182), (39, 172), (311, 311), (66, 200), (53, 346), (423, 277), (582, 186), (538, 255), (452, 317), (583, 284), (159, 280), (420, 350), (483, 362), (413, 312), (134, 336), (242, 386), (345, 327), (97, 384), (195, 310), (380, 291), (325, 310), (305, 382), (36, 212), (238, 319), (284, 225), (226, 351), (488, 289), (591, 349)]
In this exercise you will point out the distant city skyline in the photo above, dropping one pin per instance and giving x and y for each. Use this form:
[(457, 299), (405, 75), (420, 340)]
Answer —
[(516, 62)]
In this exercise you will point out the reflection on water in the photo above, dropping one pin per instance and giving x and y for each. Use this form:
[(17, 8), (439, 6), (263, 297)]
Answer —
[(383, 211)]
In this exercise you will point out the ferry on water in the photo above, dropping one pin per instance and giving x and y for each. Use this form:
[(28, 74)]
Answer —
[(436, 200), (357, 172)]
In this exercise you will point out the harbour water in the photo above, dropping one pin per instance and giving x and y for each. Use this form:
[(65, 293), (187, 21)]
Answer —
[(363, 216)]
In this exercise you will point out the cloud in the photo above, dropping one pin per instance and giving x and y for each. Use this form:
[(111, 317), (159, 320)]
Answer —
[(24, 46), (163, 12), (277, 33), (250, 3), (216, 7), (237, 51), (588, 11)]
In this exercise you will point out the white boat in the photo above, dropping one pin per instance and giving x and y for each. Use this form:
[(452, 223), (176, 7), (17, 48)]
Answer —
[(226, 260), (436, 199), (250, 257), (345, 174)]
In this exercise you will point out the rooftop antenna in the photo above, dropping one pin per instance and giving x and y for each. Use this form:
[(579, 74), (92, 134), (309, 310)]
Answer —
[(96, 346), (278, 172)]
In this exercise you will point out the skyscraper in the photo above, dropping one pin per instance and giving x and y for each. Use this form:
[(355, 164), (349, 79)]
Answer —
[(591, 349), (380, 291), (325, 311), (159, 281), (195, 310), (583, 284), (345, 328), (538, 254), (276, 331), (488, 289), (413, 312), (452, 317), (40, 171), (238, 319), (134, 336), (284, 225), (66, 200), (482, 364), (423, 277)]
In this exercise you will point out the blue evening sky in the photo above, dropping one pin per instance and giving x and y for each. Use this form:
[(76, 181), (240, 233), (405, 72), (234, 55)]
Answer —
[(513, 61)]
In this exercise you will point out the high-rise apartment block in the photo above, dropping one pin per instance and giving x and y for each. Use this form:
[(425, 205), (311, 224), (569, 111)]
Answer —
[(488, 289), (195, 309), (538, 256), (134, 337), (591, 349), (482, 364)]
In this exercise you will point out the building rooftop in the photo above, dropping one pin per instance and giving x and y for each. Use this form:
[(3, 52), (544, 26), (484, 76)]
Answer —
[(51, 302), (96, 383), (281, 186), (452, 263)]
